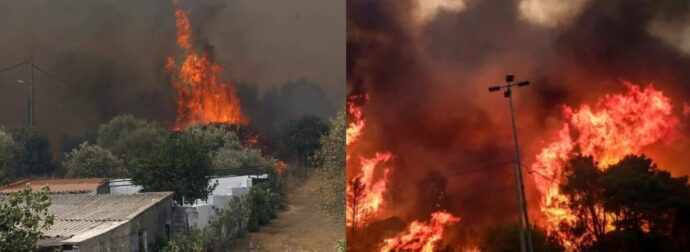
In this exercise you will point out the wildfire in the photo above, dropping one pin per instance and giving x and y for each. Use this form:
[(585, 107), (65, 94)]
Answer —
[(203, 97), (421, 236), (354, 129), (367, 193), (617, 125)]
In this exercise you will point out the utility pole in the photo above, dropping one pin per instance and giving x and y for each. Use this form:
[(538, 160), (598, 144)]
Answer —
[(31, 91), (523, 215)]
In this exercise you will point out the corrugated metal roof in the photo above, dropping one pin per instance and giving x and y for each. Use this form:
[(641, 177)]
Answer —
[(82, 216), (80, 185)]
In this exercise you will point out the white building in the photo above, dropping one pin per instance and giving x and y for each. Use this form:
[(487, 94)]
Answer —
[(199, 214)]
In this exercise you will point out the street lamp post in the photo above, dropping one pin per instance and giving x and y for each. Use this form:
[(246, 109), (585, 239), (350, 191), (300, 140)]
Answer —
[(523, 216)]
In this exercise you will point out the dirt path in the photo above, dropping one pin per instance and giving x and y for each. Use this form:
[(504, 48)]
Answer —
[(302, 227)]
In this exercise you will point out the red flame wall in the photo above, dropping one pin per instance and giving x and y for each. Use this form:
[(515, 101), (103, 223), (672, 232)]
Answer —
[(429, 105)]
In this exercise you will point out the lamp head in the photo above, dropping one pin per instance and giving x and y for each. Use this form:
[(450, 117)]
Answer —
[(523, 83)]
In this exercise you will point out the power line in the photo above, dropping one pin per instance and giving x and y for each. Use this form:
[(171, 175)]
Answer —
[(13, 67), (62, 83), (455, 174)]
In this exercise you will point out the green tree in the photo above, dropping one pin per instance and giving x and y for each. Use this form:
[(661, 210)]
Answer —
[(332, 157), (301, 137), (23, 218), (214, 137), (263, 206), (180, 164), (129, 137), (231, 158), (230, 223), (194, 241), (9, 150), (92, 161), (34, 157)]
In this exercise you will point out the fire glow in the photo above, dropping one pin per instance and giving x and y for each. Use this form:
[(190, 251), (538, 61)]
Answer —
[(203, 97), (371, 200), (421, 236), (617, 125), (372, 176)]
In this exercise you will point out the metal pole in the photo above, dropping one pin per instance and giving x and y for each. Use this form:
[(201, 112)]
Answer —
[(518, 195), (31, 91), (525, 233)]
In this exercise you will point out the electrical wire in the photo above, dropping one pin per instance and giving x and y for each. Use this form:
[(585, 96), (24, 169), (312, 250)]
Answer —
[(455, 174), (12, 67), (62, 83)]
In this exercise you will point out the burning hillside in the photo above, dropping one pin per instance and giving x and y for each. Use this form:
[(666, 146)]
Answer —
[(430, 138), (367, 191), (203, 97), (616, 126)]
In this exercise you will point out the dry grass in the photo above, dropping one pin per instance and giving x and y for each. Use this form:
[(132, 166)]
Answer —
[(302, 227)]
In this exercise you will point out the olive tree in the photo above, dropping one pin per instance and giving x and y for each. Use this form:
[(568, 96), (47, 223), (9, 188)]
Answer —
[(23, 218), (91, 161)]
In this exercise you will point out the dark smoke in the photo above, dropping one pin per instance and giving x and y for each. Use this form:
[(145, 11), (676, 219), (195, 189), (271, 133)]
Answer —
[(429, 103), (111, 54)]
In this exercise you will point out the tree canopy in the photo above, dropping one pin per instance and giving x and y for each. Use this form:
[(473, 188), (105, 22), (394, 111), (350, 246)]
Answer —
[(646, 207), (34, 157), (92, 161), (332, 156), (180, 164), (301, 137), (8, 158), (23, 218), (129, 137)]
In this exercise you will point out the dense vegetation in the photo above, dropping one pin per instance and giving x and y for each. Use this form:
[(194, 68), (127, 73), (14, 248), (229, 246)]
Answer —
[(332, 173), (630, 206), (23, 218)]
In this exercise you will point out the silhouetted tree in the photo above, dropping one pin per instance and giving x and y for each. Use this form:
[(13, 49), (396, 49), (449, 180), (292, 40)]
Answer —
[(585, 197), (644, 205), (301, 137), (9, 151), (34, 157)]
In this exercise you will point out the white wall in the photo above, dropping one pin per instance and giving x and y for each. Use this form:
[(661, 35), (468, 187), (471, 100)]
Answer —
[(123, 186)]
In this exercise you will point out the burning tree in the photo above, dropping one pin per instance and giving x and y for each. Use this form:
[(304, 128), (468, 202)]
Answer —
[(630, 205), (203, 97), (616, 126)]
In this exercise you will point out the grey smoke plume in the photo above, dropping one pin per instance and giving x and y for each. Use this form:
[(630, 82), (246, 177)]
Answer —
[(112, 54)]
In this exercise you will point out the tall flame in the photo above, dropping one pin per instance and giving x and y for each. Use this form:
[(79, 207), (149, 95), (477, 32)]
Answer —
[(617, 125), (371, 195), (203, 97), (421, 236)]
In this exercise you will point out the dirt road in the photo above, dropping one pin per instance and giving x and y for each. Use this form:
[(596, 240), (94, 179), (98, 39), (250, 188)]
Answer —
[(302, 227)]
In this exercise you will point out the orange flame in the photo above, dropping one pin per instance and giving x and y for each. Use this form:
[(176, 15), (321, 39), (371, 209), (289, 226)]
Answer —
[(371, 196), (203, 97), (281, 166), (616, 126), (355, 128), (421, 236)]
